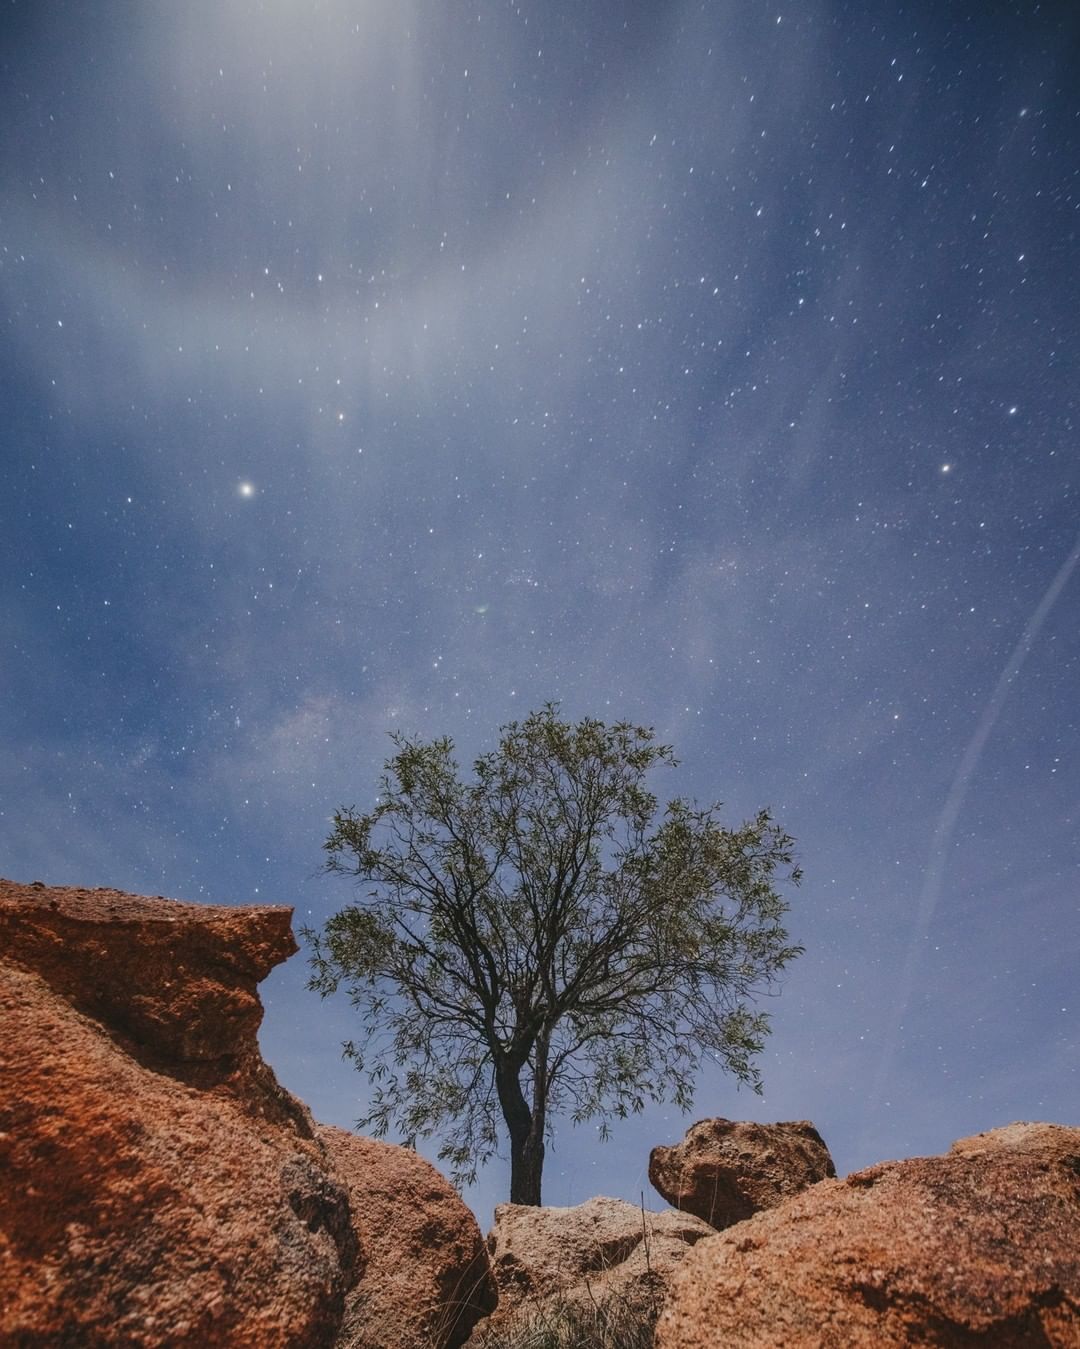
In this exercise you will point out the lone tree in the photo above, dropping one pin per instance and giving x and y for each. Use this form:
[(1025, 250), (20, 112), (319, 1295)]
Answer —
[(539, 941)]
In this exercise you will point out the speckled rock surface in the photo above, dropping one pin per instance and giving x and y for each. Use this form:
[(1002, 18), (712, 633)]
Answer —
[(604, 1249), (726, 1170), (159, 1186), (428, 1279), (977, 1247)]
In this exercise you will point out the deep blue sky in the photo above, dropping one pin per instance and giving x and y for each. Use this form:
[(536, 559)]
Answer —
[(391, 365)]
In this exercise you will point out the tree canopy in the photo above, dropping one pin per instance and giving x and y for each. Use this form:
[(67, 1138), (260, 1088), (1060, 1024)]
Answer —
[(542, 940)]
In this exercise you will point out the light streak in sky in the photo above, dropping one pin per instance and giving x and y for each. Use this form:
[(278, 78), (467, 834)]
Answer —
[(950, 813)]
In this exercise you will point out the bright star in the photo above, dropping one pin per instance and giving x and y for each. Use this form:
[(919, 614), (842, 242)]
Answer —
[(246, 489)]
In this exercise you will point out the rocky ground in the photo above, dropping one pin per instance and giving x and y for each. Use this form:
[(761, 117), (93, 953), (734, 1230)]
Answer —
[(161, 1188)]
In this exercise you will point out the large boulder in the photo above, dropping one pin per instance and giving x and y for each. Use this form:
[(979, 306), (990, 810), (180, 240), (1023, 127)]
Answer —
[(428, 1279), (159, 1186), (602, 1253), (980, 1246), (725, 1170)]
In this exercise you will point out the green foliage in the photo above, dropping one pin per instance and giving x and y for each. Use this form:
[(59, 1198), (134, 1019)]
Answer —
[(545, 925)]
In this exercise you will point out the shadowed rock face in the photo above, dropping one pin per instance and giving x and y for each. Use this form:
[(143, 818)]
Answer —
[(160, 1186), (429, 1278), (725, 1170), (978, 1247)]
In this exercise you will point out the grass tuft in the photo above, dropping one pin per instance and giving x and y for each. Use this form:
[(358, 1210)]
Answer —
[(613, 1324)]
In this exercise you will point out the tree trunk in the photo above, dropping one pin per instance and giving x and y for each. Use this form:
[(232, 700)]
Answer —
[(526, 1167), (526, 1130)]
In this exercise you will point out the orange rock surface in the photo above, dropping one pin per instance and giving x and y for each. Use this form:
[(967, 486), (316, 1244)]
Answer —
[(725, 1170), (159, 1186), (977, 1247), (429, 1278)]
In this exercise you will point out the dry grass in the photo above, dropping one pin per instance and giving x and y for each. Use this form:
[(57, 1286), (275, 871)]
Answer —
[(584, 1316), (613, 1324)]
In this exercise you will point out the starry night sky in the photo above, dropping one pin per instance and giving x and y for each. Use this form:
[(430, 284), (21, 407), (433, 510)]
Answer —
[(402, 365)]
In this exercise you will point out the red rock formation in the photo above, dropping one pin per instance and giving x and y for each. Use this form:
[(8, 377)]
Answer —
[(429, 1278), (978, 1247), (602, 1250), (175, 981), (1057, 1139), (725, 1170), (159, 1186)]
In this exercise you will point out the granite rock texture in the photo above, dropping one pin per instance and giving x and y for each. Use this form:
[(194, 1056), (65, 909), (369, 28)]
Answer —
[(977, 1247), (726, 1170), (428, 1279), (160, 1186), (601, 1252)]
